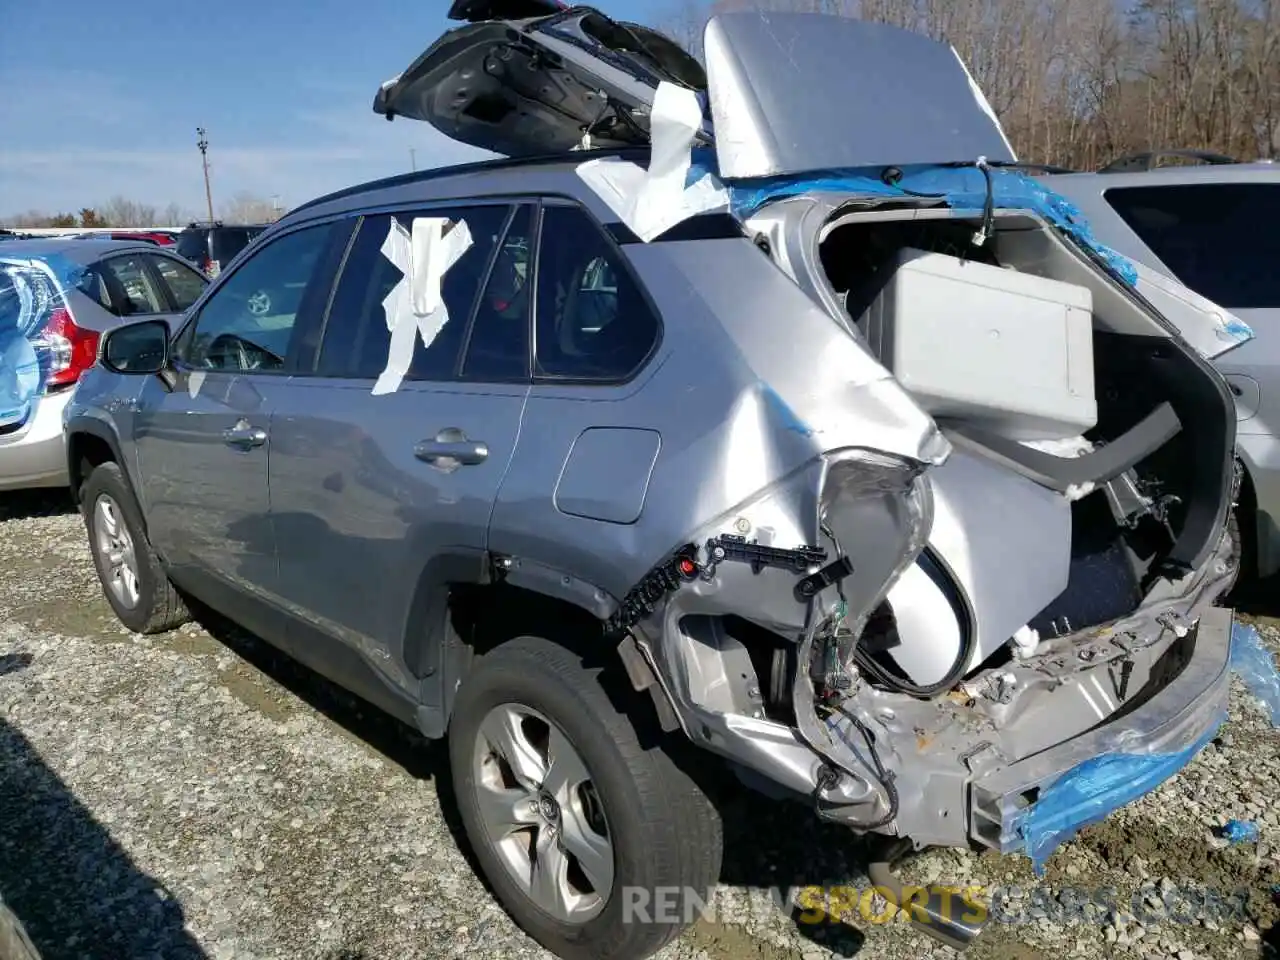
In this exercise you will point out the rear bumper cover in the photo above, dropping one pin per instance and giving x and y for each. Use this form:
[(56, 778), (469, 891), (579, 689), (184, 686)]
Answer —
[(35, 454), (1034, 804)]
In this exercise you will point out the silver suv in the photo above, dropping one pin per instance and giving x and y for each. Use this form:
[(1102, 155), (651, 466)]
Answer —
[(1198, 224), (832, 450)]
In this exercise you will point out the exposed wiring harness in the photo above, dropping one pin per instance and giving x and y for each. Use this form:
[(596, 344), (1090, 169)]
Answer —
[(876, 672), (829, 777), (892, 177)]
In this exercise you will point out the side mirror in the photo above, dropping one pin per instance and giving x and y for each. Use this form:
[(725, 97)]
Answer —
[(136, 348)]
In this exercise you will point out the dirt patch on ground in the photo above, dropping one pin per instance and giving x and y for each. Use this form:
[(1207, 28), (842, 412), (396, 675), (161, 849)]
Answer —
[(247, 686), (724, 941), (1138, 846)]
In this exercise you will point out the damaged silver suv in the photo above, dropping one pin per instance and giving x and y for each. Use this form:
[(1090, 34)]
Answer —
[(789, 402)]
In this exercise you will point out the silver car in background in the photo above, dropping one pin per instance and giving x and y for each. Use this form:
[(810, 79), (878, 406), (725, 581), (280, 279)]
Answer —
[(1211, 226), (57, 296)]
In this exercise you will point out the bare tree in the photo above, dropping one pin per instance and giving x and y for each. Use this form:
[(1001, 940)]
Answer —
[(247, 207), (1079, 82), (173, 216), (122, 212)]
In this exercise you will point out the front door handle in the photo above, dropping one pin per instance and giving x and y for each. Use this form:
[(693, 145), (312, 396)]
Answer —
[(244, 436), (451, 449)]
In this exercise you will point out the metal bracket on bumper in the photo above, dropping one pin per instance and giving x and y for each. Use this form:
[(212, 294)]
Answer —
[(1167, 729)]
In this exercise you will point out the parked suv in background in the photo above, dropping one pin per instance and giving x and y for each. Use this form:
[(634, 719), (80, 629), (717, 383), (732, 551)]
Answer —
[(57, 296), (1211, 225), (576, 491), (211, 246)]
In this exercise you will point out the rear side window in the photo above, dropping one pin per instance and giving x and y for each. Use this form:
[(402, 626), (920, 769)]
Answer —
[(185, 285), (1219, 239), (593, 322), (357, 338), (192, 245), (227, 242), (498, 348), (135, 288)]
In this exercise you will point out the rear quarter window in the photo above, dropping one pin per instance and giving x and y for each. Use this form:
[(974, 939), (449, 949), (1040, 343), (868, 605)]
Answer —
[(1217, 238), (191, 245)]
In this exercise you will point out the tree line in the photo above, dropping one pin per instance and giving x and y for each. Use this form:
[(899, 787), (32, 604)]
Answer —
[(1077, 83), (122, 212)]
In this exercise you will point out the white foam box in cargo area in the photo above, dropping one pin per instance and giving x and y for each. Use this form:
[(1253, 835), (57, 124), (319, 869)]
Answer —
[(989, 345)]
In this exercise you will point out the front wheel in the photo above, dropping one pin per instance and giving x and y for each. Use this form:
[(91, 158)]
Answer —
[(132, 577), (590, 835)]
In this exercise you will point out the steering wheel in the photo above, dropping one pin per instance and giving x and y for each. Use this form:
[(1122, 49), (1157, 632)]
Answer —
[(259, 304), (229, 346)]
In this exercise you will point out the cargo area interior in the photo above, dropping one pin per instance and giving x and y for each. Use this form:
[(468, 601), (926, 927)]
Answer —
[(996, 342)]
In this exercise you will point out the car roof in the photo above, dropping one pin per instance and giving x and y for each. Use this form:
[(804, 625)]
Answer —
[(76, 250), (1200, 173), (472, 173)]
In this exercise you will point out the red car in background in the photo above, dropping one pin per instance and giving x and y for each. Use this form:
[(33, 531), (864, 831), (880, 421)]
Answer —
[(145, 236)]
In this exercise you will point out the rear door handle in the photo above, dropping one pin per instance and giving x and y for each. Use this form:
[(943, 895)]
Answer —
[(451, 449), (244, 436)]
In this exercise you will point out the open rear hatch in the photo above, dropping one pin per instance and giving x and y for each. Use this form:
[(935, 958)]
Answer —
[(528, 78), (542, 85)]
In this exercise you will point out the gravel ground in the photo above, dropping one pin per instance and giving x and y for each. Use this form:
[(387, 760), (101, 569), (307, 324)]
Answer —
[(197, 795)]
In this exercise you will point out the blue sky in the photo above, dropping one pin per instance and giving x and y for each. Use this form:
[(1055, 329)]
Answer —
[(102, 99)]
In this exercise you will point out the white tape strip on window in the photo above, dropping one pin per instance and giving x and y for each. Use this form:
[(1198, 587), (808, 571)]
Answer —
[(415, 306), (651, 202)]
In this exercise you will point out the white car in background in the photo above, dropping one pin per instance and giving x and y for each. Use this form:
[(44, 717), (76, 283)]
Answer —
[(1210, 226)]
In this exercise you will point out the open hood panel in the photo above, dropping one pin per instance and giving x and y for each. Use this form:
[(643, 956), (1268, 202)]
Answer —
[(539, 86), (796, 92), (789, 92)]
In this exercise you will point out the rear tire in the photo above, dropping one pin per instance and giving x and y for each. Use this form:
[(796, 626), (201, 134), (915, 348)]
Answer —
[(643, 825), (133, 579)]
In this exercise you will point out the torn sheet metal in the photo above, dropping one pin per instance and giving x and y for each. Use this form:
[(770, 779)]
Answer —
[(1092, 791), (415, 307), (959, 187), (1256, 668), (1210, 329), (672, 190)]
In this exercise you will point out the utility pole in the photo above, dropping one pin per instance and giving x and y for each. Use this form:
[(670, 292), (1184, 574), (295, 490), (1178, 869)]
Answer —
[(413, 160), (203, 143)]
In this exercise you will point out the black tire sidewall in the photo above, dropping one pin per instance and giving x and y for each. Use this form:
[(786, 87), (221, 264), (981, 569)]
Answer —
[(505, 676), (108, 479)]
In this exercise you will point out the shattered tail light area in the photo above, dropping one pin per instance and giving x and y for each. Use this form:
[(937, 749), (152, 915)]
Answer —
[(41, 347), (28, 294)]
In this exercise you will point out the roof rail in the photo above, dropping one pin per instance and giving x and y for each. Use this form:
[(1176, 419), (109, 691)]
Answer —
[(1148, 160)]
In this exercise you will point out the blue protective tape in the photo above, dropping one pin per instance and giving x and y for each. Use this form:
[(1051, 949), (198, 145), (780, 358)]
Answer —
[(1256, 668), (1239, 831), (959, 187), (1093, 790)]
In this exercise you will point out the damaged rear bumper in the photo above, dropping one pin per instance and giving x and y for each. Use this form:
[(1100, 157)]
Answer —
[(1036, 803)]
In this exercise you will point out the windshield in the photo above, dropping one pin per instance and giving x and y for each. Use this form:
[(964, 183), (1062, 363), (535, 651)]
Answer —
[(1217, 238)]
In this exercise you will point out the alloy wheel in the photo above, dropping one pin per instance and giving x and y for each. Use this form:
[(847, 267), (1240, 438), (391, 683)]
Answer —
[(542, 813), (116, 551)]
